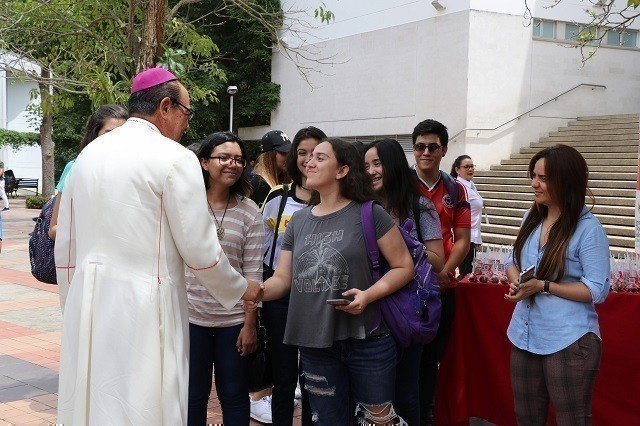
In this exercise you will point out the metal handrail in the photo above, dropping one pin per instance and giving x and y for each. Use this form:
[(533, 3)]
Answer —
[(555, 98)]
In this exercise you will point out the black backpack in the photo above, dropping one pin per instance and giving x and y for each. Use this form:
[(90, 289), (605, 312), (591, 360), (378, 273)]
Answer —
[(43, 265)]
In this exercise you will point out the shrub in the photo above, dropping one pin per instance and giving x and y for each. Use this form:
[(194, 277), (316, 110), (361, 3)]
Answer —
[(35, 201)]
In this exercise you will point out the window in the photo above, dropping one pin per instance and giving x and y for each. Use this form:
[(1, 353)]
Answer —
[(627, 38), (544, 29), (579, 33)]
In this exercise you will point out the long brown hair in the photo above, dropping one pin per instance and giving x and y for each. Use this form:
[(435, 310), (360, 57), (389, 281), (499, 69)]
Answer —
[(567, 177), (268, 169), (356, 185)]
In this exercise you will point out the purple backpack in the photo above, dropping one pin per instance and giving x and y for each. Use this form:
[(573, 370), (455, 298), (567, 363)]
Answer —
[(413, 312)]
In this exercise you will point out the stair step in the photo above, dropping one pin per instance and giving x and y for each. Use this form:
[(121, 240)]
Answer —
[(602, 201), (620, 168), (613, 156), (580, 141), (511, 228), (632, 161), (622, 176), (593, 183), (600, 133), (608, 150), (526, 189), (524, 204), (600, 126), (518, 212), (616, 118), (616, 244)]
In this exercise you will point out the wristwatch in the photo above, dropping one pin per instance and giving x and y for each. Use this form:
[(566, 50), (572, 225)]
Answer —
[(545, 288)]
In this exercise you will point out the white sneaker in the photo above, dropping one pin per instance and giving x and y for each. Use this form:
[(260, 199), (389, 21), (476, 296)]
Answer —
[(261, 410), (298, 394)]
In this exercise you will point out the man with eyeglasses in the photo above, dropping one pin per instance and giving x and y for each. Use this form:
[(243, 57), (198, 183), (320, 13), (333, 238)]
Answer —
[(430, 139), (132, 215)]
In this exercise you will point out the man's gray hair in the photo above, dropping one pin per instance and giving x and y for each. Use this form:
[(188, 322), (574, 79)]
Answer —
[(146, 102)]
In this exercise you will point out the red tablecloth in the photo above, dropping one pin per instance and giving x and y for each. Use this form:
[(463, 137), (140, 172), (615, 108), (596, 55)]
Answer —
[(474, 375)]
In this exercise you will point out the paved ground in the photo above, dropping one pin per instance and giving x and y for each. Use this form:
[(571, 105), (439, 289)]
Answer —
[(30, 324)]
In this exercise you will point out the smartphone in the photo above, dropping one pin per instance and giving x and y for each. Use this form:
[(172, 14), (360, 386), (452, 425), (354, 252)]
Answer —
[(338, 302), (527, 274)]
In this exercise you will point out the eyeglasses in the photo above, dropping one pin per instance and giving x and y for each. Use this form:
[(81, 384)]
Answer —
[(469, 166), (224, 160), (189, 112), (432, 147)]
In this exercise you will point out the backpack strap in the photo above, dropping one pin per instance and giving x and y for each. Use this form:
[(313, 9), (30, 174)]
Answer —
[(416, 216), (452, 188), (283, 203), (370, 241)]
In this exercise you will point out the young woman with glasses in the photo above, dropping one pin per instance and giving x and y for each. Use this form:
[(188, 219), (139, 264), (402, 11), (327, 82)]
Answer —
[(395, 186), (325, 268), (463, 169), (219, 336), (556, 346)]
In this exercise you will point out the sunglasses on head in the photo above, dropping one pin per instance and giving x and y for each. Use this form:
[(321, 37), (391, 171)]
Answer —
[(432, 147)]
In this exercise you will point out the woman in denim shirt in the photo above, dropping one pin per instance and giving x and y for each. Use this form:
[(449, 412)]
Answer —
[(554, 330)]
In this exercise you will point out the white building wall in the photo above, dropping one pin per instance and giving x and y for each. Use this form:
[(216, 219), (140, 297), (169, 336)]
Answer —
[(473, 65), (15, 98)]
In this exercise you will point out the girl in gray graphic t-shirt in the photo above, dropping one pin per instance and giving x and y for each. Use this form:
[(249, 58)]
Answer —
[(323, 257)]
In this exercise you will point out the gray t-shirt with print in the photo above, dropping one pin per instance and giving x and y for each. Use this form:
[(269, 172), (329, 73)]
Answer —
[(329, 257)]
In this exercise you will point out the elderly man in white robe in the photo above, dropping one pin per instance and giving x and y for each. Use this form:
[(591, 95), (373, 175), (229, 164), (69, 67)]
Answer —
[(132, 215)]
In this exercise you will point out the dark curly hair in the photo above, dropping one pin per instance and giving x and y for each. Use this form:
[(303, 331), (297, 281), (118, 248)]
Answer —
[(356, 185)]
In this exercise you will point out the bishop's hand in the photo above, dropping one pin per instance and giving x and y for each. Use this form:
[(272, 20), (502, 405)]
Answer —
[(254, 293)]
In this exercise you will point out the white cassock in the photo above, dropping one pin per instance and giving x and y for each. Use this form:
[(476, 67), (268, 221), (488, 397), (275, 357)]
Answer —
[(132, 214)]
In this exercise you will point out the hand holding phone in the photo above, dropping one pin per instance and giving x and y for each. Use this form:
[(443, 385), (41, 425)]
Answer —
[(338, 302), (527, 274)]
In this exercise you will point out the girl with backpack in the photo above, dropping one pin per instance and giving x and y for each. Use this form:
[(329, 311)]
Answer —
[(219, 336), (324, 266), (395, 187), (277, 210)]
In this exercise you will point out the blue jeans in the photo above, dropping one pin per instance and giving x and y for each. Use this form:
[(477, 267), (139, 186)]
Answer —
[(362, 371), (284, 359), (209, 346), (407, 400)]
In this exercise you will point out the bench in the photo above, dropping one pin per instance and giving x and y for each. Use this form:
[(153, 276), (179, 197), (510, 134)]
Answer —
[(27, 183)]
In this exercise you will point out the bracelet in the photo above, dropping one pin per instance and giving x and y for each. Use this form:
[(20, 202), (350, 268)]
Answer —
[(545, 288)]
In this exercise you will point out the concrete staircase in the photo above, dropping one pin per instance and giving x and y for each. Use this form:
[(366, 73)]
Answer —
[(610, 146)]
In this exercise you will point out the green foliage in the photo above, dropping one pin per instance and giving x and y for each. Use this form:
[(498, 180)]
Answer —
[(35, 201), (245, 60), (17, 140), (68, 130), (91, 47), (587, 34), (634, 3), (324, 14)]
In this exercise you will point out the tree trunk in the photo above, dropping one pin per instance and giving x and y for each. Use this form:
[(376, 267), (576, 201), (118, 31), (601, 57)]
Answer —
[(46, 139), (152, 33)]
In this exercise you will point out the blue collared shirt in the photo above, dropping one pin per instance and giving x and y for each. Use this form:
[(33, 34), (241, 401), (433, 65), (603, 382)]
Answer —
[(544, 323)]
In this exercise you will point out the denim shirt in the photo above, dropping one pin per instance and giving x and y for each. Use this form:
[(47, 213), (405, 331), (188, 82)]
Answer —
[(544, 323)]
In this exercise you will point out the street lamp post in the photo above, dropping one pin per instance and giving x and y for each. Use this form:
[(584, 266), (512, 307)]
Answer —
[(231, 90)]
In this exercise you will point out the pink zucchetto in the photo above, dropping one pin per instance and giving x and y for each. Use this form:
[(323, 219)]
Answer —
[(151, 77)]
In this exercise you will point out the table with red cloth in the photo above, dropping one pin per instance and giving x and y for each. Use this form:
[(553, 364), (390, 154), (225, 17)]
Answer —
[(474, 376)]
